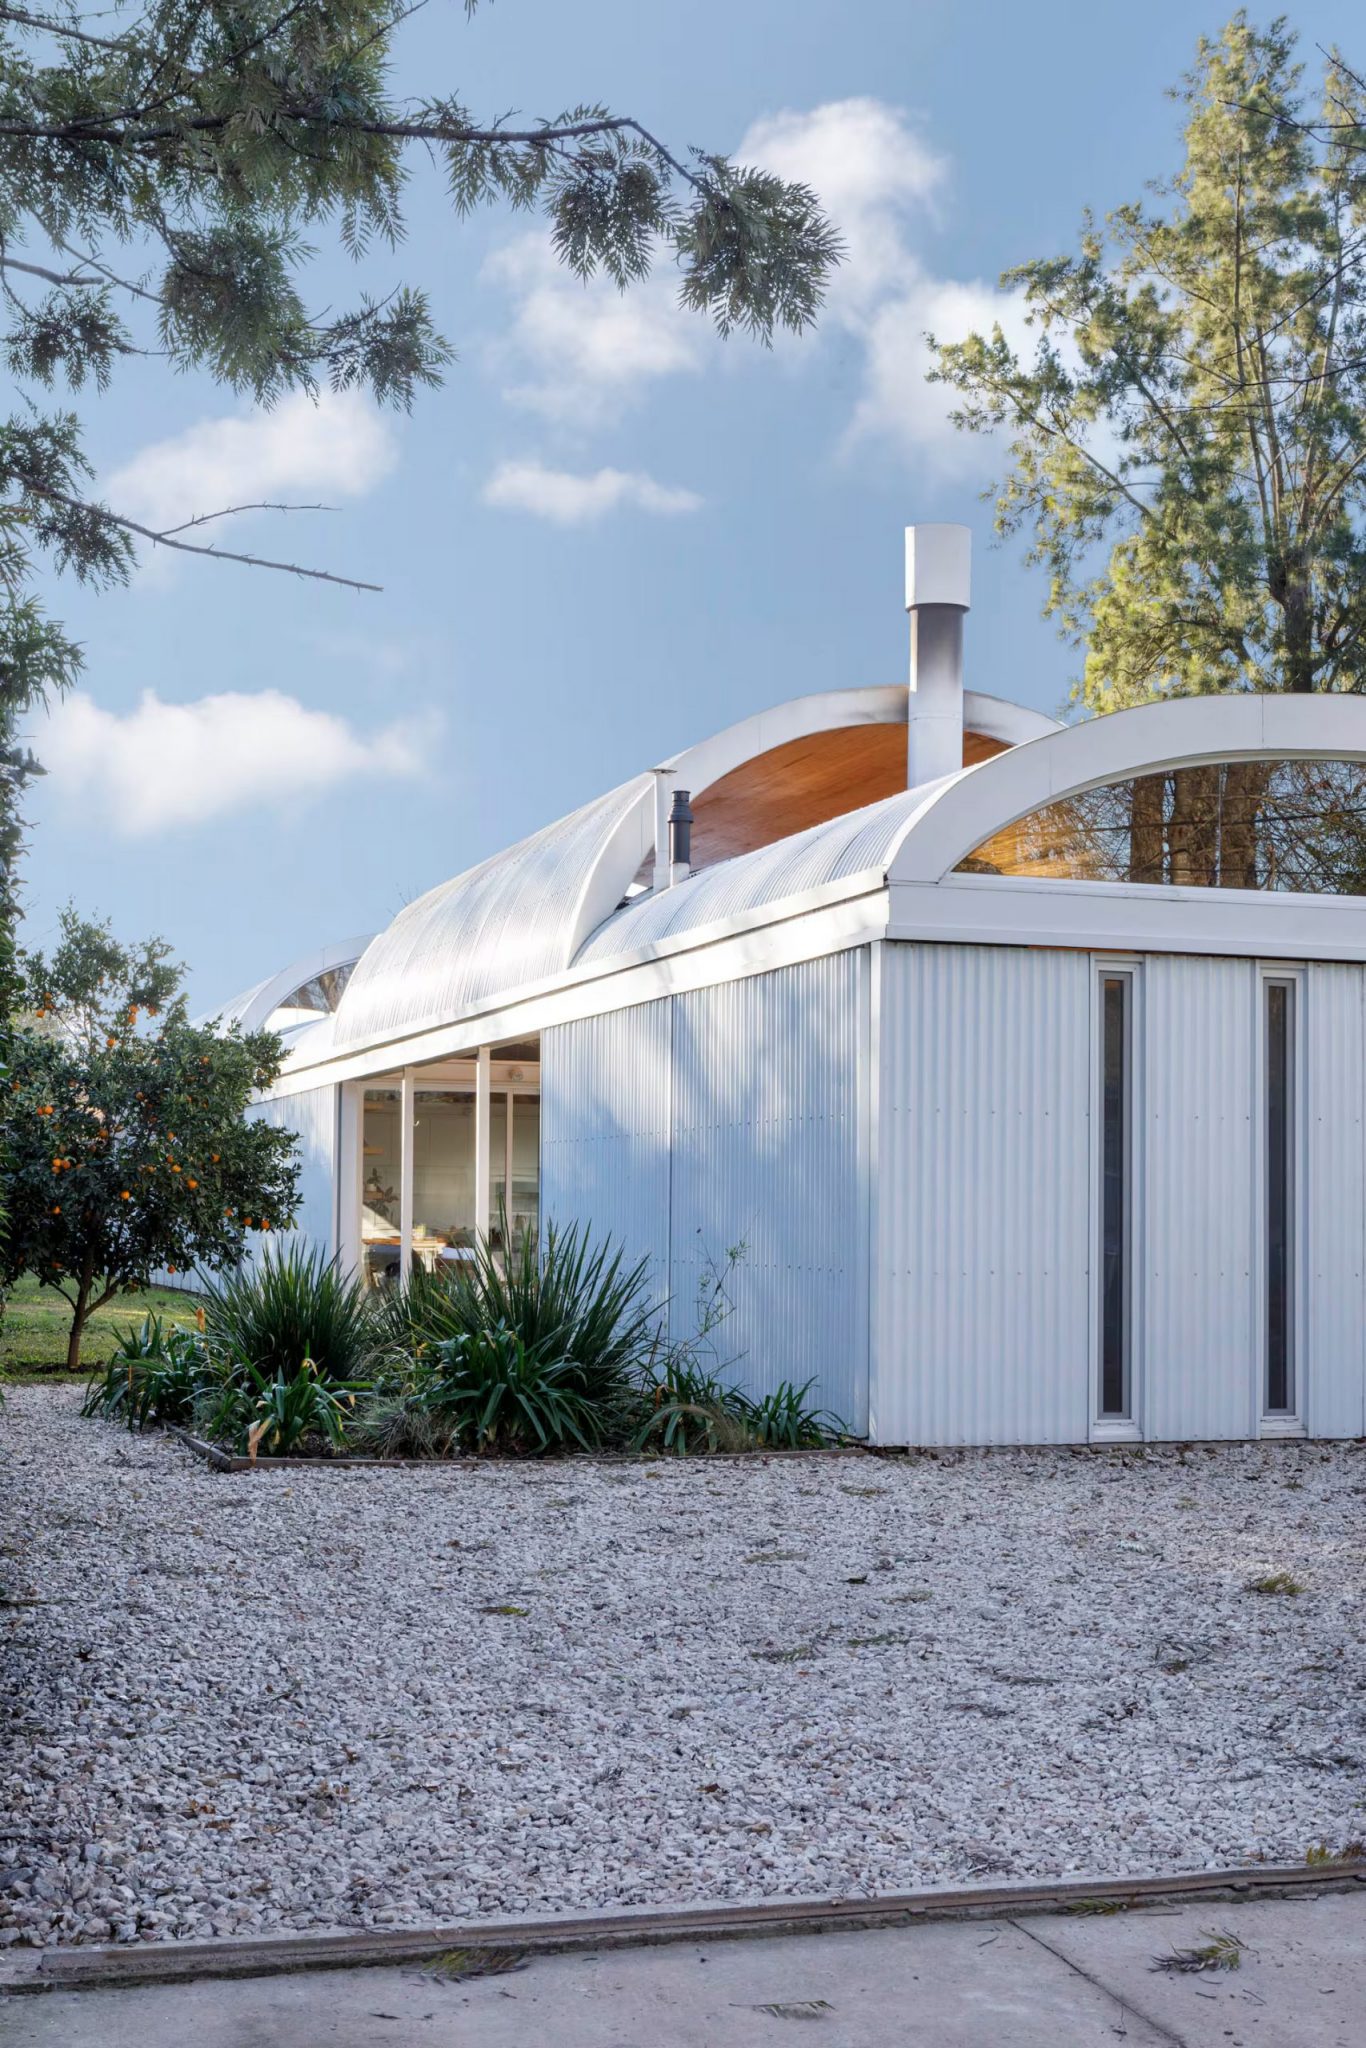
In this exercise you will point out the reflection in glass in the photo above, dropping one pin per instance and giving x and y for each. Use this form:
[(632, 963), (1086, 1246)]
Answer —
[(1293, 825), (380, 1170), (1114, 1194), (1280, 1399)]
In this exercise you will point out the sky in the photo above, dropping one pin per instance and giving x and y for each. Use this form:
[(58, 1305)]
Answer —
[(609, 533)]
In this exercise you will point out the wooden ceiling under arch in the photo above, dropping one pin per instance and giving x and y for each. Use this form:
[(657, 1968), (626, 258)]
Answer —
[(804, 783)]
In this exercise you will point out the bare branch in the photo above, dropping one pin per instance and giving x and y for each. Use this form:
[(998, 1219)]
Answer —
[(60, 28), (167, 540), (265, 505)]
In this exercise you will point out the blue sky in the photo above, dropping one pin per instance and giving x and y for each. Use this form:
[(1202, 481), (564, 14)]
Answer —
[(609, 533)]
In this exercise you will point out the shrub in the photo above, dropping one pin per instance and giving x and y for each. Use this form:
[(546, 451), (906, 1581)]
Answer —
[(688, 1409), (569, 1300), (399, 1423), (293, 1313), (279, 1416), (497, 1393), (155, 1375)]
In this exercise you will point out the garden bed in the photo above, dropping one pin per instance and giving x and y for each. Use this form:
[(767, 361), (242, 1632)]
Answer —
[(382, 1698)]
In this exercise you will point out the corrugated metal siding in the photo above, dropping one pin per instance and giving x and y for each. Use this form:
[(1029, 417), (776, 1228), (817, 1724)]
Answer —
[(1332, 1216), (735, 1111), (605, 1087), (982, 1234), (1198, 1092), (767, 1154), (312, 1116)]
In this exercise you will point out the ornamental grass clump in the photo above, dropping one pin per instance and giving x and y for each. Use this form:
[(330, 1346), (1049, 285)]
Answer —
[(155, 1375), (497, 1394), (294, 1311), (690, 1410), (568, 1301)]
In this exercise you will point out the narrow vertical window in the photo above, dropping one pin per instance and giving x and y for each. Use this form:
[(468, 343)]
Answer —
[(1279, 1043), (1115, 1107)]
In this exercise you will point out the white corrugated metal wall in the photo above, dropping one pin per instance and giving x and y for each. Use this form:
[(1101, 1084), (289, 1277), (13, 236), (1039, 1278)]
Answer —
[(768, 1156), (733, 1115), (312, 1116), (982, 1197), (1198, 1097), (605, 1095), (1332, 1039)]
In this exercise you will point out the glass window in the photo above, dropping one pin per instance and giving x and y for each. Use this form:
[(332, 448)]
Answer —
[(1296, 825), (323, 993), (1116, 1022), (381, 1166), (443, 1174), (1279, 1087)]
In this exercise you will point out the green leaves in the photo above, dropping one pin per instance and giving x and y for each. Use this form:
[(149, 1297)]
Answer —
[(127, 1144), (1187, 452), (154, 1375), (293, 1314)]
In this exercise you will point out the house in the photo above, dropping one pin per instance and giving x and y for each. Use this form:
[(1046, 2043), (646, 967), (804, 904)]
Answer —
[(1023, 1062)]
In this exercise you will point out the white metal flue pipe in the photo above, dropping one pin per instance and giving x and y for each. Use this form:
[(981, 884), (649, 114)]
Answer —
[(938, 593)]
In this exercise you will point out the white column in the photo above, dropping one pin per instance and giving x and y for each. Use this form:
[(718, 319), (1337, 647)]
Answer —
[(481, 1145), (350, 1177), (663, 790), (407, 1100), (507, 1173)]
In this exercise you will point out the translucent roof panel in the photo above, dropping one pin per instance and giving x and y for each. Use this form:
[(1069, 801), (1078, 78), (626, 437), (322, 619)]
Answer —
[(860, 842), (506, 924)]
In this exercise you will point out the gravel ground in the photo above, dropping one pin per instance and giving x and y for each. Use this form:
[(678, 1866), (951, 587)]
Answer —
[(378, 1698)]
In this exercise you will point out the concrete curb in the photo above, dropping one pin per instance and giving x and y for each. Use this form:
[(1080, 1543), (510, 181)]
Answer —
[(73, 1969)]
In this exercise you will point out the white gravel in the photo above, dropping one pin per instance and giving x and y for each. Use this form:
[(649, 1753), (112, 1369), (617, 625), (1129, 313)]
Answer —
[(290, 1700)]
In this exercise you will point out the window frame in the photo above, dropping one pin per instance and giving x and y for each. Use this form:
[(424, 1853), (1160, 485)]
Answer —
[(1288, 1421), (1108, 1426)]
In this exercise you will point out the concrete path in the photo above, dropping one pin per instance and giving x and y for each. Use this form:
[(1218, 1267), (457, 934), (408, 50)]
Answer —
[(1060, 1981)]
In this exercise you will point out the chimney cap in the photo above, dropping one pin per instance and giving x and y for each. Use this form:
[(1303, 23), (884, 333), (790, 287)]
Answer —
[(938, 566)]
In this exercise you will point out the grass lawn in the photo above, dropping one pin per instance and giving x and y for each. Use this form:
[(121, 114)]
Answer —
[(37, 1324)]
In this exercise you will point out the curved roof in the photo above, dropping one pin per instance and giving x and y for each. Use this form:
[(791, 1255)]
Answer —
[(861, 842), (562, 900), (967, 809), (524, 915), (258, 1006)]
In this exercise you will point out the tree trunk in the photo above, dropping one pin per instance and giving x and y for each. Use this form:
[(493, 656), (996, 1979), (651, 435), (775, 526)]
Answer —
[(1245, 787), (80, 1309), (1193, 834), (1147, 851), (1297, 609), (78, 1319)]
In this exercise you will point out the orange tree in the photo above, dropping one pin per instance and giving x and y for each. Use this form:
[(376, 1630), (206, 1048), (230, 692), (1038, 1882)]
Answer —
[(128, 1149)]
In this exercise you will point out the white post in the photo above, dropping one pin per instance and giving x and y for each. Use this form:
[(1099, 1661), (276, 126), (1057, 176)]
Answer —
[(407, 1102), (350, 1177), (507, 1174), (481, 1145), (663, 777)]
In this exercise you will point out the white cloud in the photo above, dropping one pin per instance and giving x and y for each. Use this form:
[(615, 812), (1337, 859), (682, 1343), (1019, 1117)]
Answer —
[(879, 181), (569, 500), (870, 169), (163, 765), (338, 447), (581, 354), (578, 353)]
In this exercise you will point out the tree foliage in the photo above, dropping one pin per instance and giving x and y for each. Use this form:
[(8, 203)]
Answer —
[(162, 170), (127, 1144), (1188, 436)]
